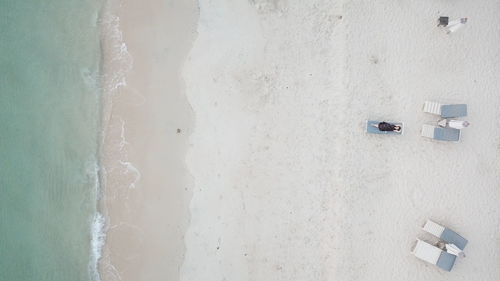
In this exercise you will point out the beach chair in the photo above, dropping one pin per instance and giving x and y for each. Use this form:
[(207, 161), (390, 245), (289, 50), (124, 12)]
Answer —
[(442, 134), (445, 234), (445, 110), (372, 128), (434, 255)]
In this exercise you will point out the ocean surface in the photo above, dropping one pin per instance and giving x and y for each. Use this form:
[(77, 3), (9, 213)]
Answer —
[(49, 135)]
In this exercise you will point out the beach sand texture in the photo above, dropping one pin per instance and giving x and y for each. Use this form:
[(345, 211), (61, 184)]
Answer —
[(287, 186), (148, 121), (284, 183)]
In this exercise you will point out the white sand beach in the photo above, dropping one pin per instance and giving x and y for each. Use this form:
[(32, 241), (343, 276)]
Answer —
[(280, 180), (287, 184)]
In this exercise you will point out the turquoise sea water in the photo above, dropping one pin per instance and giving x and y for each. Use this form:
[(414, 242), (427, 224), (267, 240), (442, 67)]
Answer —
[(49, 124)]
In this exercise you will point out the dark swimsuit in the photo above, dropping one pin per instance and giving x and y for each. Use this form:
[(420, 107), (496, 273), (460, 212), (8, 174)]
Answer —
[(384, 126)]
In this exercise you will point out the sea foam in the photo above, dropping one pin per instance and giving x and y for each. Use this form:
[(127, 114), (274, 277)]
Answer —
[(117, 60), (131, 168), (98, 237)]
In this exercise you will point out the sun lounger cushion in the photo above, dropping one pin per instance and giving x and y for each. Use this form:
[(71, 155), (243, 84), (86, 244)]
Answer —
[(434, 255), (427, 252), (452, 237), (446, 261), (445, 234), (453, 110), (446, 134)]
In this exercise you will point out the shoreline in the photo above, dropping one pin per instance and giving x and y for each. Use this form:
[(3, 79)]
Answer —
[(146, 123), (286, 184)]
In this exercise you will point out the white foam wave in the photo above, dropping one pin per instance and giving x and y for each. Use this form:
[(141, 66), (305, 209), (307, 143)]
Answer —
[(92, 173), (131, 168), (97, 224), (98, 237), (123, 141), (117, 61)]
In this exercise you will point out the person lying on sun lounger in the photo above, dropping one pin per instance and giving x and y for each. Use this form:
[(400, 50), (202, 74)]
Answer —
[(384, 128), (388, 127), (453, 25)]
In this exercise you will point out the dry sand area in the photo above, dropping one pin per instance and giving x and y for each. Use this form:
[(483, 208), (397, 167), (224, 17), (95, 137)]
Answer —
[(287, 186), (284, 182)]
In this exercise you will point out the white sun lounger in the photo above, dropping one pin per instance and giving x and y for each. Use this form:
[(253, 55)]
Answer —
[(442, 134), (445, 234), (445, 110), (434, 255)]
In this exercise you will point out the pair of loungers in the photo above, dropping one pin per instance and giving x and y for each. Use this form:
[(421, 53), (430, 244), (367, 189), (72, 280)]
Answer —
[(434, 255), (445, 111)]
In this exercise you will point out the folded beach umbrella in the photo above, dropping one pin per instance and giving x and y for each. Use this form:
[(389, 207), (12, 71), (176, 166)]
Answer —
[(454, 250), (455, 25)]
